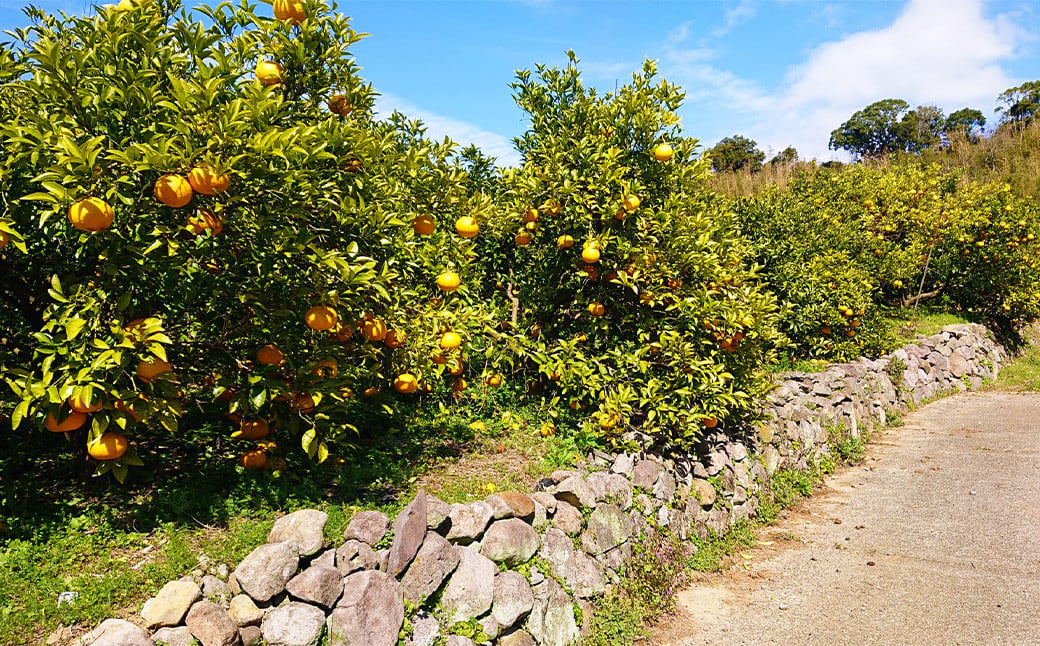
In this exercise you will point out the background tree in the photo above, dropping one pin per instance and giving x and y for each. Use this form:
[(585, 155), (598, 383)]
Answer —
[(873, 131), (736, 153), (965, 120), (788, 155), (1022, 103), (920, 128)]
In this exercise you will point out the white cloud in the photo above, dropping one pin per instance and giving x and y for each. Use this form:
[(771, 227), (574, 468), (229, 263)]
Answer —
[(463, 133), (943, 52), (733, 16)]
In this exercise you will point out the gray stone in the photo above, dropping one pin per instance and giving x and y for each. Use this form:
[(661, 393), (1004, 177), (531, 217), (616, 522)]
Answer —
[(116, 632), (409, 532), (489, 626), (470, 590), (499, 508), (437, 558), (664, 489), (664, 517), (607, 528), (737, 452), (560, 475), (513, 598), (611, 487), (705, 492), (243, 611), (169, 606), (325, 559), (644, 504), (623, 465), (216, 590), (579, 571), (354, 556), (211, 625), (318, 585), (959, 366), (522, 505), (552, 619), (546, 500), (510, 541), (293, 624), (771, 459), (436, 513), (575, 491), (458, 640), (567, 518), (516, 638), (717, 461), (251, 636), (267, 569), (368, 527), (370, 612), (644, 474), (425, 631), (468, 522), (305, 527), (179, 636)]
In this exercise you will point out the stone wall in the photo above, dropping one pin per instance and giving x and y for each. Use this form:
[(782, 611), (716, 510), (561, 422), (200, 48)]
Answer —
[(520, 568)]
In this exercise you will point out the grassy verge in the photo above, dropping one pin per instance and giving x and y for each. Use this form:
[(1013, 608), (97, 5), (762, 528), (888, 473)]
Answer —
[(1022, 374)]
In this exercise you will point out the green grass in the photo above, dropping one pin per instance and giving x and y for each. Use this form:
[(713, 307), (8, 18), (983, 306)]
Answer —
[(1023, 374), (905, 328)]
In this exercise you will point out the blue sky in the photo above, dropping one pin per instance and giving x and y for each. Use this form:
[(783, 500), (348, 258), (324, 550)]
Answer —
[(785, 72)]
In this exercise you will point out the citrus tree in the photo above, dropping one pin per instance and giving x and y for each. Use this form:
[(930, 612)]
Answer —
[(624, 280), (202, 218)]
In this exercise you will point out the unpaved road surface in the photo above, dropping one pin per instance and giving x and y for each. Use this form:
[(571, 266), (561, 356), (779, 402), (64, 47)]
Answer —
[(934, 540)]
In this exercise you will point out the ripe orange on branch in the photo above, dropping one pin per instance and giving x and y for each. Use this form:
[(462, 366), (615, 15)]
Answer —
[(290, 10), (467, 226), (254, 460), (448, 281), (149, 369), (256, 429), (173, 190), (80, 405), (590, 254), (269, 355), (450, 340), (70, 423), (203, 221), (338, 104), (91, 214), (631, 203), (269, 72), (321, 318), (596, 308), (204, 179), (110, 446), (564, 242), (424, 225), (663, 152), (406, 383), (374, 329)]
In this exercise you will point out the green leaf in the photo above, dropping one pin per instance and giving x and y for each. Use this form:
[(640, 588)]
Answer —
[(73, 327), (19, 413), (309, 442)]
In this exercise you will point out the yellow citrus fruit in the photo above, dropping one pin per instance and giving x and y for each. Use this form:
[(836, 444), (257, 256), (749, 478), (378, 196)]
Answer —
[(424, 225), (406, 383), (269, 355), (523, 238), (269, 72), (254, 460), (395, 338), (256, 429), (564, 242), (897, 284), (530, 215), (456, 367), (204, 179), (374, 329), (494, 380), (663, 152), (631, 203), (467, 227), (148, 369), (596, 308), (551, 207), (710, 422), (289, 10), (448, 281), (590, 254), (338, 104), (371, 391), (71, 423), (459, 385), (83, 406), (173, 190), (608, 422), (203, 221), (450, 341), (91, 214), (321, 318), (110, 446)]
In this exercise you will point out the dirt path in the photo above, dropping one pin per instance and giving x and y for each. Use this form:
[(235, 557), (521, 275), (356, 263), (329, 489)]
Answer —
[(935, 540)]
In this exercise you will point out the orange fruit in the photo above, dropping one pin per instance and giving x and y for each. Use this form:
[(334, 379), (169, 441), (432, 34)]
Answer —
[(631, 203), (406, 383), (596, 308), (289, 10), (456, 367), (173, 190), (91, 214), (530, 215), (269, 355), (204, 179), (590, 254), (321, 318), (450, 341), (338, 104), (531, 226), (467, 226), (371, 391), (254, 460), (4, 239), (551, 207), (121, 405), (82, 406), (663, 152), (304, 403), (608, 422), (109, 446), (256, 429), (564, 242), (448, 281), (494, 380), (204, 220), (710, 422), (523, 238), (374, 329), (269, 72), (825, 330), (148, 369), (459, 385), (438, 358), (70, 423), (424, 225), (395, 339)]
